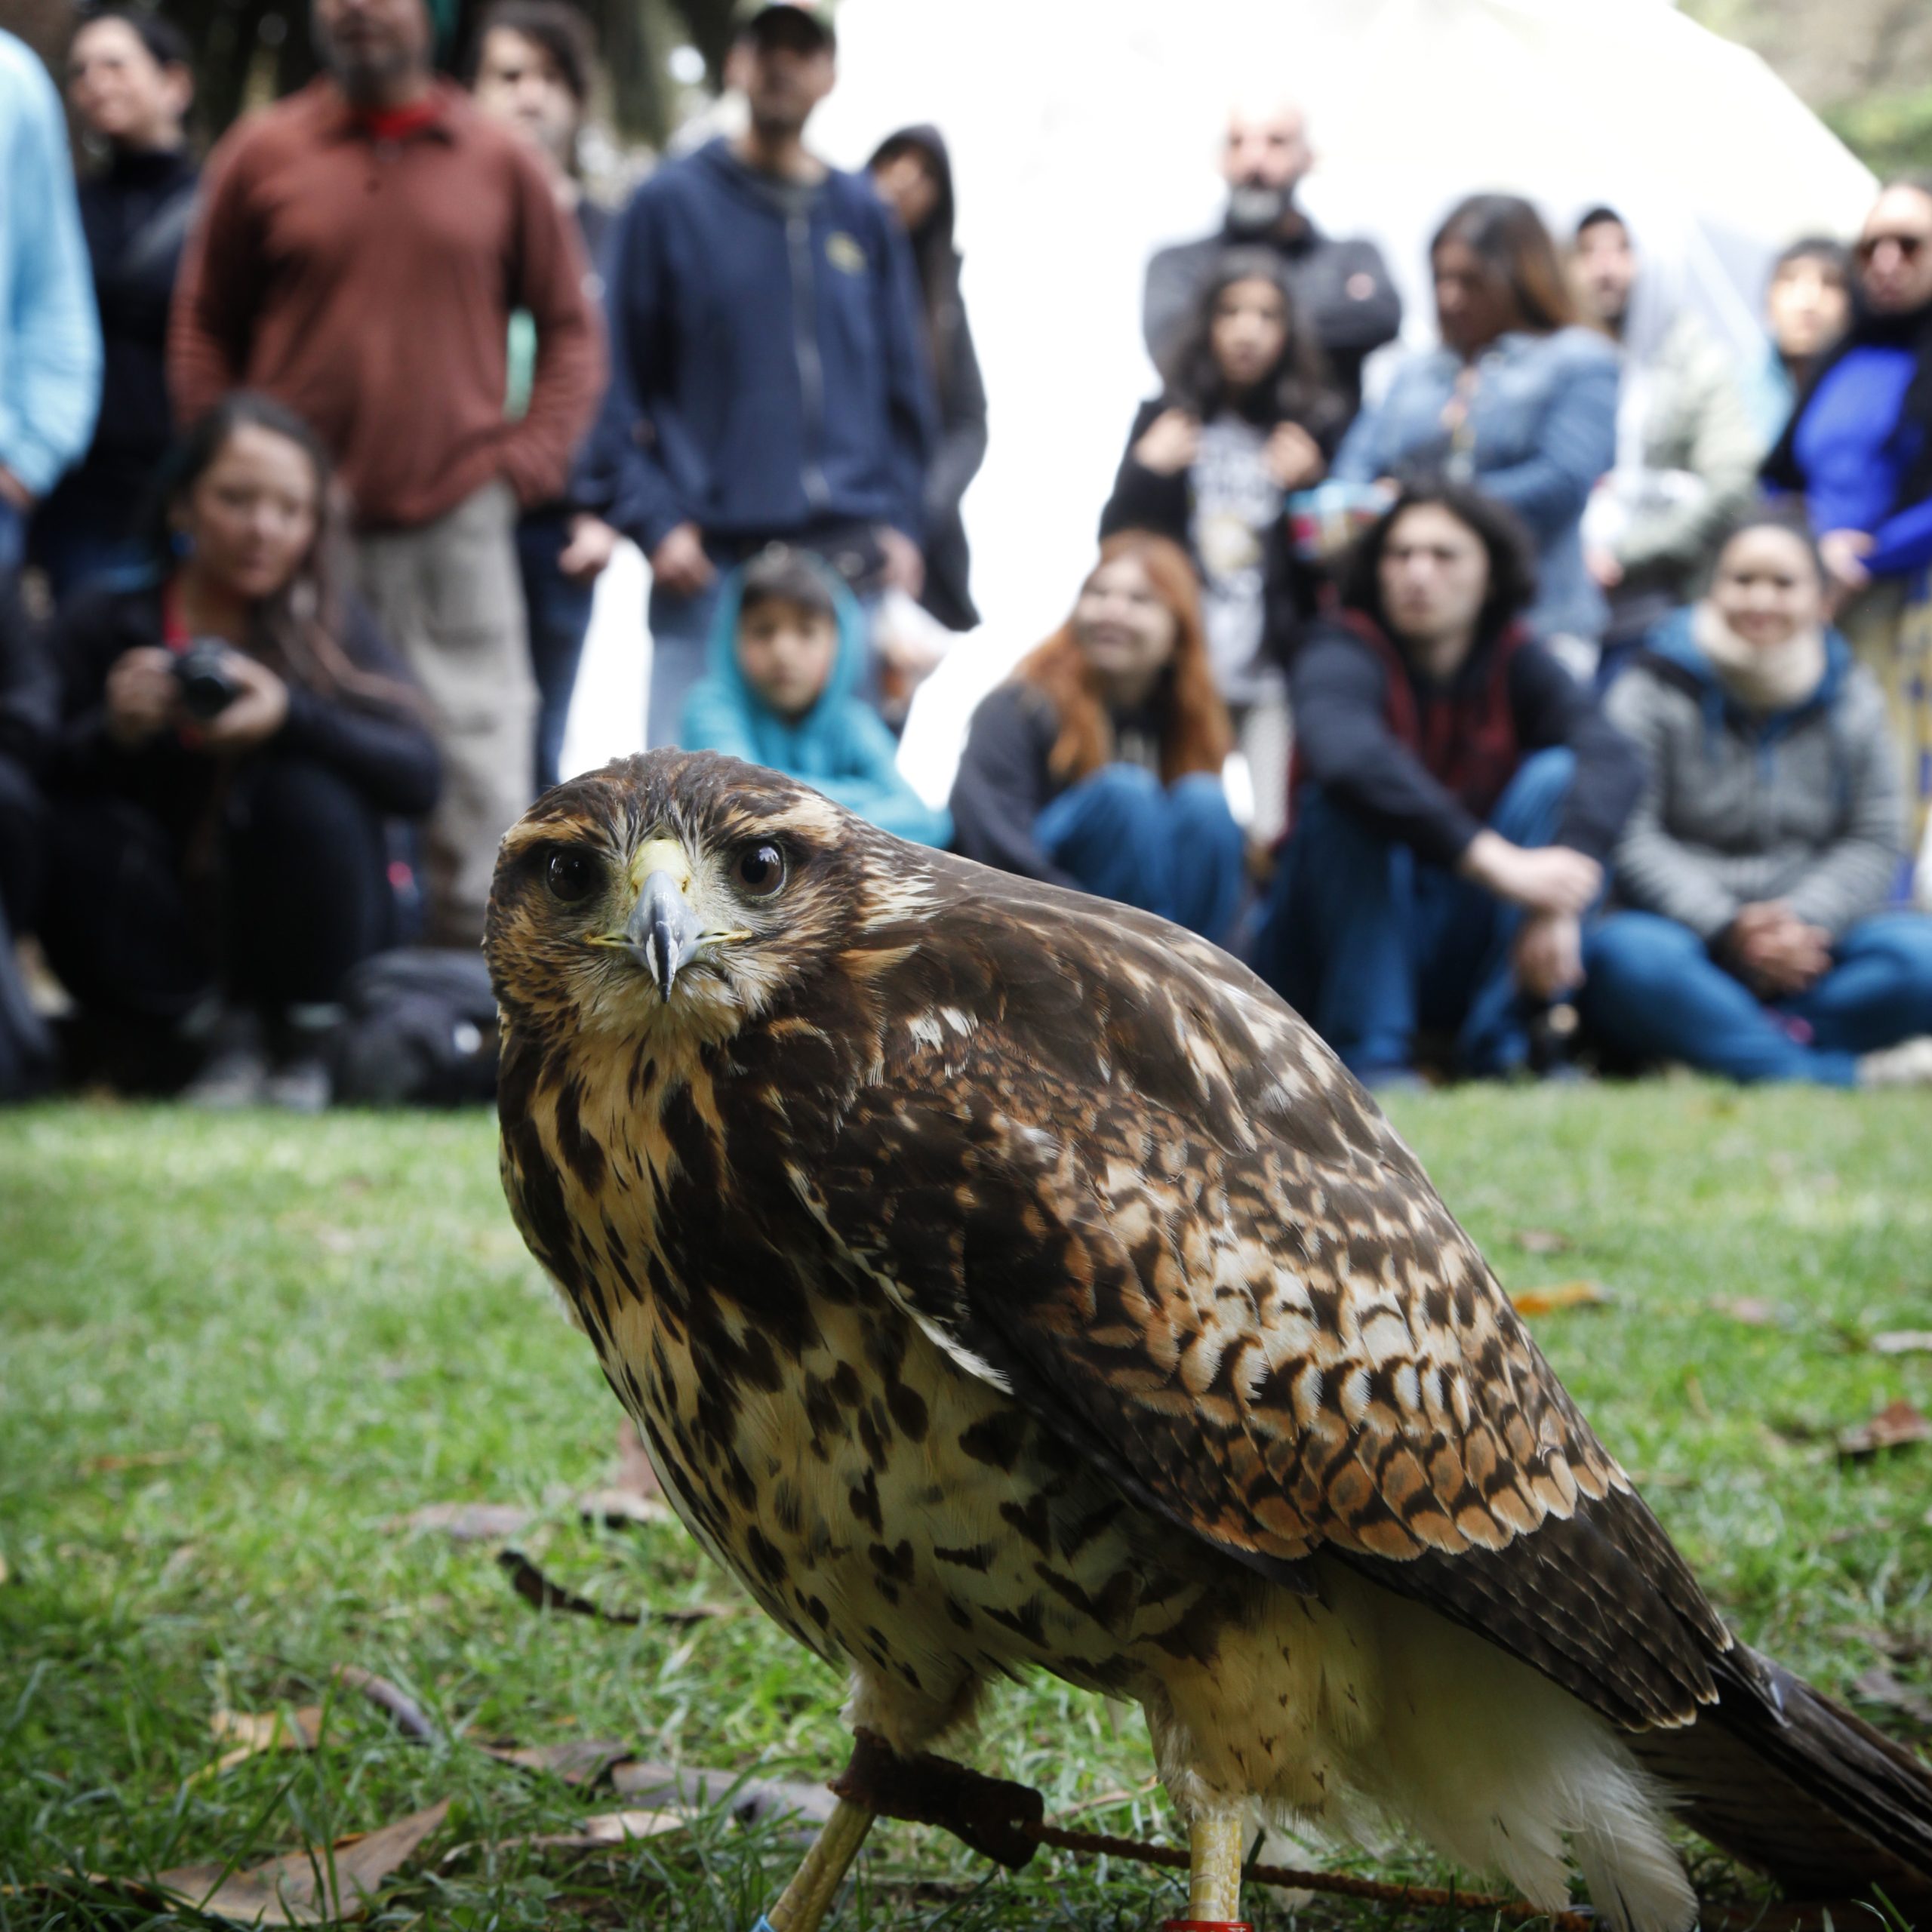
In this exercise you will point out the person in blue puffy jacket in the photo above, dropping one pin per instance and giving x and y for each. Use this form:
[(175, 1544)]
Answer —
[(787, 651)]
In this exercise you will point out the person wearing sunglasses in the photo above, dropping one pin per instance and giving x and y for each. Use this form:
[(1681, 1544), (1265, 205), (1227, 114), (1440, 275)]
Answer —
[(1859, 450)]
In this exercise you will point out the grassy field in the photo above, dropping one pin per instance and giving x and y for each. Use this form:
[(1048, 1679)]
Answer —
[(233, 1353)]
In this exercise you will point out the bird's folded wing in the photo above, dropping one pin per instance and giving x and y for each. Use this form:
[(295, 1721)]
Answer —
[(1176, 1232)]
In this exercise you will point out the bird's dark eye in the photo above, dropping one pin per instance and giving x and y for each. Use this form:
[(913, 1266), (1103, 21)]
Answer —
[(572, 874), (761, 870)]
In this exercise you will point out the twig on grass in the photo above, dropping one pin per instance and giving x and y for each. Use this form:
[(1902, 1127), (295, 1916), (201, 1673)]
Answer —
[(410, 1718)]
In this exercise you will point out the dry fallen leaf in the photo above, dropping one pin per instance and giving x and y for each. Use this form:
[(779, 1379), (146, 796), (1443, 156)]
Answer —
[(752, 1801), (1878, 1686), (466, 1522), (1559, 1294), (634, 1494), (250, 1732), (1750, 1310), (1895, 1426), (614, 1508), (635, 1472), (1541, 1240), (409, 1716), (296, 1730), (607, 1829), (1901, 1645), (317, 1886), (1904, 1341), (581, 1761)]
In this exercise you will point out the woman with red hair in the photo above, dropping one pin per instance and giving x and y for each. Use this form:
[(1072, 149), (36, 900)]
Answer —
[(1097, 764)]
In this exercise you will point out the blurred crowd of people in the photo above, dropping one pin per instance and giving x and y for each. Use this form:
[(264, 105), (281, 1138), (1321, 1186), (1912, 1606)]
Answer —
[(1560, 687)]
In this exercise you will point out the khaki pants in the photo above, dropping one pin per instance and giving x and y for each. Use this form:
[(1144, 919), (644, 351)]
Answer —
[(448, 599), (1889, 627)]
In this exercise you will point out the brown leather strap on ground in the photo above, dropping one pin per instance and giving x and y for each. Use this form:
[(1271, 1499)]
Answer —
[(1093, 1844), (1007, 1823), (994, 1817)]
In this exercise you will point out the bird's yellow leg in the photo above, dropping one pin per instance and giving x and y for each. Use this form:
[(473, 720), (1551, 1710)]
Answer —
[(808, 1897), (1216, 1836)]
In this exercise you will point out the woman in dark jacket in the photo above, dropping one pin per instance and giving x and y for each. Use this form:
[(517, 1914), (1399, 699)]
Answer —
[(1097, 764), (1247, 415), (1460, 793), (129, 83), (914, 173), (233, 738)]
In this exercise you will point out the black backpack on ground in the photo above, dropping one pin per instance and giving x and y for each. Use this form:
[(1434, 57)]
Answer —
[(418, 1030)]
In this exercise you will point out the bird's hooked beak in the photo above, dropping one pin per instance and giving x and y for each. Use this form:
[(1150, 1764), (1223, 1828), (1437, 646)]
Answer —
[(662, 932)]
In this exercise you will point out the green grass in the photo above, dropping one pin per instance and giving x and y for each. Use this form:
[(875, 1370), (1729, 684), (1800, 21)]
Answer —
[(326, 1325)]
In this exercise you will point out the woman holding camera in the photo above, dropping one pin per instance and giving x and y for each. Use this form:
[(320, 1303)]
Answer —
[(235, 738)]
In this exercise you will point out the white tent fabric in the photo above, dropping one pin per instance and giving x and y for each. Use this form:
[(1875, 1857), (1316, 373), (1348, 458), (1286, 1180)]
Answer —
[(1084, 134)]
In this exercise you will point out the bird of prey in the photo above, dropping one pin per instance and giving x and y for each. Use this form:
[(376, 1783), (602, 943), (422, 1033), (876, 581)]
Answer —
[(1004, 1278)]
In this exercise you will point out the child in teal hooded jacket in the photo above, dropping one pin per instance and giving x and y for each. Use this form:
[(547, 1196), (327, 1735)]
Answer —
[(788, 649)]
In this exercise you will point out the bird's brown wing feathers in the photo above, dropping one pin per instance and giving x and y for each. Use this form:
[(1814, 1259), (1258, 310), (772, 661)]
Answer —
[(1103, 1165)]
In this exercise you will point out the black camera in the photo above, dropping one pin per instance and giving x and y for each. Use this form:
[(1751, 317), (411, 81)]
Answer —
[(207, 687)]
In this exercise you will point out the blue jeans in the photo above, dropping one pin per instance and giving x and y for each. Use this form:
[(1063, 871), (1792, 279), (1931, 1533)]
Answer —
[(558, 608), (1174, 850), (1653, 990), (13, 539), (1372, 944)]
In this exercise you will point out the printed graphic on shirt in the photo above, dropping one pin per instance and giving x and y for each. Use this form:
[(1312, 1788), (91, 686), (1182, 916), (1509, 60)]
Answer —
[(843, 252), (1235, 501)]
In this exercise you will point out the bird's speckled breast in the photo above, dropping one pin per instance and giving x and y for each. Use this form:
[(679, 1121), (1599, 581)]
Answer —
[(878, 1501)]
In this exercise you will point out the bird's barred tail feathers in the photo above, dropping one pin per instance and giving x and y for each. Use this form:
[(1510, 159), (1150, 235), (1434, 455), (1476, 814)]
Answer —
[(1798, 1786)]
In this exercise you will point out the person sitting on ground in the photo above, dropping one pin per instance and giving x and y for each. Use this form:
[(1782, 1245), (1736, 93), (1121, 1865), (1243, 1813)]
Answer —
[(1748, 933), (1686, 454), (1808, 303), (1097, 764), (1519, 401), (234, 737), (1246, 416), (130, 81), (1459, 794), (788, 651)]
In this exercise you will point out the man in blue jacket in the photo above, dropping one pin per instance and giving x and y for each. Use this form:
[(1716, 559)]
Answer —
[(50, 334), (770, 381)]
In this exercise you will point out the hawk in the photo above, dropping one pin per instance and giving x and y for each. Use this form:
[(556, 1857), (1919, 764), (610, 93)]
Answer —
[(1001, 1278)]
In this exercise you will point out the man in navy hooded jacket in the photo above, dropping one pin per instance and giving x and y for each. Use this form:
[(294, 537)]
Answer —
[(770, 379)]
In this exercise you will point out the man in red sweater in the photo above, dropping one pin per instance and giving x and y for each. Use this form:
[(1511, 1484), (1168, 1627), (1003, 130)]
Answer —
[(362, 247)]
